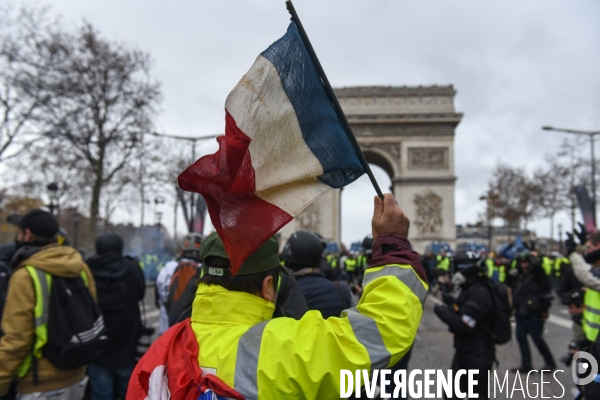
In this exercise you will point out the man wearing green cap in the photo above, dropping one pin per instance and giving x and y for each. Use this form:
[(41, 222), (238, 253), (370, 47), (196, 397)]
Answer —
[(243, 352)]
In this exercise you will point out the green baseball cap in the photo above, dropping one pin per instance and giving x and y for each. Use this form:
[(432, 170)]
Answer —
[(263, 259)]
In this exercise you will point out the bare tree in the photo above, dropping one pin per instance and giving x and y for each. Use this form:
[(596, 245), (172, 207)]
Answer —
[(103, 105), (29, 56), (510, 196), (554, 189)]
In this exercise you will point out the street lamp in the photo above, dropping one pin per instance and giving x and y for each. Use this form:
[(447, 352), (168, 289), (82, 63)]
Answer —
[(489, 222), (591, 135), (560, 242), (53, 191)]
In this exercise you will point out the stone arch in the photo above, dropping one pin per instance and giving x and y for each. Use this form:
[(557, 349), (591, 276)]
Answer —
[(409, 133), (382, 159)]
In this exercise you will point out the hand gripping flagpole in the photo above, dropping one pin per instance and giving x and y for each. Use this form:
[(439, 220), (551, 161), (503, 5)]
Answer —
[(332, 97)]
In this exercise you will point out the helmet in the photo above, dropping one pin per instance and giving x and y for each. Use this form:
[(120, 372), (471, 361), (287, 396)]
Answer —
[(191, 242), (302, 248), (468, 263), (320, 237), (367, 244)]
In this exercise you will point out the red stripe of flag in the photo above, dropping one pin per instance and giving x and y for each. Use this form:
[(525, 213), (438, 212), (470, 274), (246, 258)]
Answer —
[(226, 181)]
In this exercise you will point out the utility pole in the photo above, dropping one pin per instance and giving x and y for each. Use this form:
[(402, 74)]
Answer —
[(592, 136)]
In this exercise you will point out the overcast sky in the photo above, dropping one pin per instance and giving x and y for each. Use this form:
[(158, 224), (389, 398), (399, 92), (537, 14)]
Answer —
[(516, 65)]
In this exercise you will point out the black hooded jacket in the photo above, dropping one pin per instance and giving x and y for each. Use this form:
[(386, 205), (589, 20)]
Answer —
[(120, 286), (531, 289)]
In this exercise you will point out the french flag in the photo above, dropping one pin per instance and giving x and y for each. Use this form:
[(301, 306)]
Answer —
[(284, 146)]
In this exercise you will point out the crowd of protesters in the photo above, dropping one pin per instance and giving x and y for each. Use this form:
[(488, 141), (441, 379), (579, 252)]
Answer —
[(105, 291)]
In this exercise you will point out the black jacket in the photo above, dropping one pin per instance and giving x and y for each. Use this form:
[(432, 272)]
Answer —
[(531, 290), (471, 320), (321, 294), (120, 286)]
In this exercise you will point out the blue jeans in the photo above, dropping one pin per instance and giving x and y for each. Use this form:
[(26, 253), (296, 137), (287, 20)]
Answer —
[(533, 326), (105, 382)]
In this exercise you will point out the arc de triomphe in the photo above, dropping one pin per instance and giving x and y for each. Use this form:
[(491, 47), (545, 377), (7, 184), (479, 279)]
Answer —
[(409, 133)]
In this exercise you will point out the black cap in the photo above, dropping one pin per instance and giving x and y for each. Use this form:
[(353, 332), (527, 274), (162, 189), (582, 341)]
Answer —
[(39, 222), (109, 243)]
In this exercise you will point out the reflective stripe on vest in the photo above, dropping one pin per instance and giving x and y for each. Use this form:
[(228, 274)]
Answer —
[(42, 282), (591, 314)]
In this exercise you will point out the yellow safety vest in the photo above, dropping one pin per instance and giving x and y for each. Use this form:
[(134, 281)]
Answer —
[(362, 262), (443, 263), (332, 260), (547, 264), (351, 264), (42, 282), (591, 314), (490, 267), (284, 358), (558, 263)]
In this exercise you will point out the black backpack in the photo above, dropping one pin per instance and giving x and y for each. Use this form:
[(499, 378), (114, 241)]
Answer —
[(76, 333), (113, 300), (501, 328)]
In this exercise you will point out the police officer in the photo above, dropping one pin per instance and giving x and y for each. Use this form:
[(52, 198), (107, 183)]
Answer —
[(469, 315)]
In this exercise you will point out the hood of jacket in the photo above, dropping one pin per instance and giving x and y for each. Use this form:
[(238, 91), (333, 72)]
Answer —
[(108, 265), (57, 260)]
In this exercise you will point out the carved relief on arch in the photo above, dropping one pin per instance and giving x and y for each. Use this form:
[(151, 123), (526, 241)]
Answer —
[(309, 219), (429, 212)]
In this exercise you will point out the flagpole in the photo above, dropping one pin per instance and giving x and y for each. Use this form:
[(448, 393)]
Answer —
[(332, 97)]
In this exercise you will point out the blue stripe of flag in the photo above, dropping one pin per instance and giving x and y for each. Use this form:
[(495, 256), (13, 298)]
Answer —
[(320, 125)]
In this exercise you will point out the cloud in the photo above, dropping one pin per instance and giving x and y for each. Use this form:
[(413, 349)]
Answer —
[(516, 65)]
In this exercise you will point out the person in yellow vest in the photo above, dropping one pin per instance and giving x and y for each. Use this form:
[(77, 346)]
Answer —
[(495, 269), (259, 357), (587, 271), (443, 262), (490, 265), (547, 265), (351, 265), (559, 264), (37, 248)]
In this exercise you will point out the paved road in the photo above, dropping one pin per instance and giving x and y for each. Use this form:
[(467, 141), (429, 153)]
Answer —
[(433, 350)]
